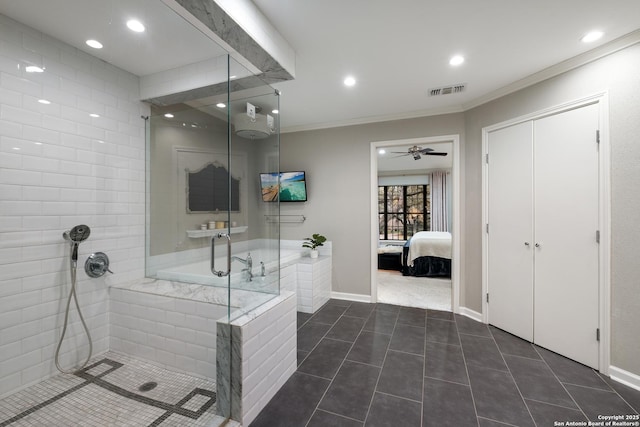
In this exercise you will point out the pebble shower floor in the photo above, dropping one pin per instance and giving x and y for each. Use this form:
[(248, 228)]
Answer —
[(108, 392)]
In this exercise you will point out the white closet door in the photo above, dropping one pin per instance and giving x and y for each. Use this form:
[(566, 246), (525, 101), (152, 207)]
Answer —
[(510, 210), (566, 220)]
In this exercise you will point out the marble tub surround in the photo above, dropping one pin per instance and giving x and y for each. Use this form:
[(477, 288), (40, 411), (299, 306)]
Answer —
[(261, 359), (240, 299)]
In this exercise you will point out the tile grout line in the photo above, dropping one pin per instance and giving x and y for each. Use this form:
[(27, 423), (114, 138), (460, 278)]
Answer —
[(398, 397), (321, 338), (446, 381), (500, 422), (375, 388), (512, 377), (338, 370), (466, 368), (336, 414), (561, 383)]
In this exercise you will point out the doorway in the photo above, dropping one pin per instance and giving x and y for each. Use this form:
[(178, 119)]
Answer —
[(388, 284)]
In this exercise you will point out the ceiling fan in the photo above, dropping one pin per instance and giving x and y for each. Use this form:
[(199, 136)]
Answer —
[(416, 152)]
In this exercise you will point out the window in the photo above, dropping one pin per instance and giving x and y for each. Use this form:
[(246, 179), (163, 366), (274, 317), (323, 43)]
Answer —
[(403, 210)]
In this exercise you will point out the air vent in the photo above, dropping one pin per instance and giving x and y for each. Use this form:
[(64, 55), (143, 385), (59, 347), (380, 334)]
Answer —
[(448, 90)]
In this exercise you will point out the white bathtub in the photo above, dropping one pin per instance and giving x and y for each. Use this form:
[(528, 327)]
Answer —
[(200, 272)]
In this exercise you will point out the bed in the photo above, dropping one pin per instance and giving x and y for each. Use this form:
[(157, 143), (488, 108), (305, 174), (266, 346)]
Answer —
[(427, 254)]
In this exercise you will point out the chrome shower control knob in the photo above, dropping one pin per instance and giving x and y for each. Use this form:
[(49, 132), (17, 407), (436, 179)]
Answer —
[(97, 265)]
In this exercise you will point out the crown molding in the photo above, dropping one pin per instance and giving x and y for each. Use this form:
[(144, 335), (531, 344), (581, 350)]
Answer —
[(562, 67), (374, 119), (559, 68)]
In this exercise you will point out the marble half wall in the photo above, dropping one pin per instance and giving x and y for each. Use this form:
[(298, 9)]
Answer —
[(260, 351)]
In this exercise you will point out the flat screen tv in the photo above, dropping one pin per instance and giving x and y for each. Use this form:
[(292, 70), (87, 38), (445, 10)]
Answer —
[(293, 186)]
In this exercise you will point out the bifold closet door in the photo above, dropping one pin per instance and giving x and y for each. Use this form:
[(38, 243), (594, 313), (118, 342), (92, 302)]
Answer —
[(566, 220), (510, 238)]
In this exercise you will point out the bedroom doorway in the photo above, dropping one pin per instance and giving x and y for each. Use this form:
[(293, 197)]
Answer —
[(413, 180)]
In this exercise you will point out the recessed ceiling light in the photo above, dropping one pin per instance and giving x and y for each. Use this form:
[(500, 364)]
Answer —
[(94, 115), (100, 141), (94, 44), (592, 36), (275, 111), (33, 69), (16, 148), (169, 116), (456, 60), (350, 81), (135, 25), (232, 77), (382, 151), (221, 105), (44, 101), (38, 143)]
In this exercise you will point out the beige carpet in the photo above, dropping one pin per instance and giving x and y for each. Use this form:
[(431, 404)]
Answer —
[(408, 291)]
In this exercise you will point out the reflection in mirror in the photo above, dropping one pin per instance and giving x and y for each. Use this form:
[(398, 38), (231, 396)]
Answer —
[(208, 189)]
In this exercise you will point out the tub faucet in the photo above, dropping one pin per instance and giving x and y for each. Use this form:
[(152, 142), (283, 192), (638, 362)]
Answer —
[(248, 262), (262, 269)]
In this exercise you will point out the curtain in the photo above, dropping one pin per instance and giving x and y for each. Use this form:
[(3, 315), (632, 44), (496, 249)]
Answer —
[(439, 201)]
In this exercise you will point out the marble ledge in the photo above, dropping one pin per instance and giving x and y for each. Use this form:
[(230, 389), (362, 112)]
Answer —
[(240, 299), (261, 309)]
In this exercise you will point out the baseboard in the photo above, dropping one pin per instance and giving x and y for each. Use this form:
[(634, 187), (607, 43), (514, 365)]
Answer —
[(625, 377), (351, 297), (471, 314)]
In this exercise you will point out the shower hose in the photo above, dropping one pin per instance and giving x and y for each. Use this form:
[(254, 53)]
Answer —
[(72, 293)]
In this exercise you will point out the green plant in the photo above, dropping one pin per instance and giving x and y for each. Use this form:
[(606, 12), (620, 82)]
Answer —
[(314, 241)]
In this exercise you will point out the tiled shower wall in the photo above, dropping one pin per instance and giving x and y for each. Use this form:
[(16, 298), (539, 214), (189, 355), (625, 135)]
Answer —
[(59, 167)]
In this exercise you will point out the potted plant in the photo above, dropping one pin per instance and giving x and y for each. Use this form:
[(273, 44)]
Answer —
[(313, 243)]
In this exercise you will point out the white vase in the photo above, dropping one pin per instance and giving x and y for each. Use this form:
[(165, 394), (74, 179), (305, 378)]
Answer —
[(313, 253)]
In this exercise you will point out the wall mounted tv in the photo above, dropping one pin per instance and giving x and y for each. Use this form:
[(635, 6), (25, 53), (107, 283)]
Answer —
[(293, 186)]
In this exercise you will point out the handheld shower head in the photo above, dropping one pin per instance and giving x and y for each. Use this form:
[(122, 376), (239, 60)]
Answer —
[(77, 234)]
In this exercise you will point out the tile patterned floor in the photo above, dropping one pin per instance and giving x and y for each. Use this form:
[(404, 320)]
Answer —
[(107, 393), (384, 365)]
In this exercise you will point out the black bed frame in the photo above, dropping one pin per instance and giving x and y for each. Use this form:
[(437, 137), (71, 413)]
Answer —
[(425, 266)]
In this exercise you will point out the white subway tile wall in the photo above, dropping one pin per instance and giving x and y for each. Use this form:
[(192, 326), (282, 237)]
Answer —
[(59, 167), (314, 283), (177, 334), (269, 353)]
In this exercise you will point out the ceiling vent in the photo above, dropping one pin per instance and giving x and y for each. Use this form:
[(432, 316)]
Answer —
[(448, 90)]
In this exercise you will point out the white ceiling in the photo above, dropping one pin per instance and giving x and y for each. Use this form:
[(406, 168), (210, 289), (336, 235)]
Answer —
[(168, 42), (396, 50)]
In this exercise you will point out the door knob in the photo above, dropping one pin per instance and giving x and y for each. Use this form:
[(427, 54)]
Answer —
[(537, 245), (526, 244)]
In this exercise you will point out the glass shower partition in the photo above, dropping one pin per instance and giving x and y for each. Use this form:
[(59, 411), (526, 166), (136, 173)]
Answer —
[(212, 234)]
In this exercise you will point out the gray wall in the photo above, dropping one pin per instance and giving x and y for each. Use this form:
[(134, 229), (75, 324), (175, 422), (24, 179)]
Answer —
[(337, 161), (618, 74)]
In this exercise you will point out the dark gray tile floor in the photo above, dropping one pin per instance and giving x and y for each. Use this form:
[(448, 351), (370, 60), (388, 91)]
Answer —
[(382, 365)]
